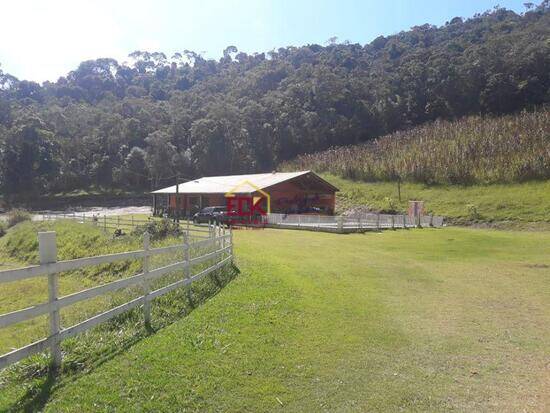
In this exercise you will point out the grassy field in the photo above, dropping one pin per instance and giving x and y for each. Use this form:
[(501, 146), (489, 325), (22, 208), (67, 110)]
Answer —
[(513, 203), (419, 320)]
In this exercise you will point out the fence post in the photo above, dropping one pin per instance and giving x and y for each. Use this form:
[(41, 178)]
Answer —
[(392, 222), (186, 254), (231, 242), (431, 220), (47, 248), (104, 223), (225, 241), (146, 302), (378, 220), (187, 267), (404, 221), (215, 232), (340, 223)]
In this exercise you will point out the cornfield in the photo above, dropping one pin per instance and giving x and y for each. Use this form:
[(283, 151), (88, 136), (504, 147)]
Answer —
[(476, 149)]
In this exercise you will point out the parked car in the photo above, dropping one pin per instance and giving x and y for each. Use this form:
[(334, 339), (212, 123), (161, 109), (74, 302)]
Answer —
[(211, 214), (310, 210)]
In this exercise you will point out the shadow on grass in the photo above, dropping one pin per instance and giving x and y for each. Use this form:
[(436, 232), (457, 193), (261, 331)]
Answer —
[(36, 397), (42, 381)]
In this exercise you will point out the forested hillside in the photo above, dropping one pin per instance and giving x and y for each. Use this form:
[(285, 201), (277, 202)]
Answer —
[(138, 124)]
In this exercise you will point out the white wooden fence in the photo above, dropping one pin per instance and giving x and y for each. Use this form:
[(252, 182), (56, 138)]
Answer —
[(353, 223), (111, 223), (358, 222), (221, 240)]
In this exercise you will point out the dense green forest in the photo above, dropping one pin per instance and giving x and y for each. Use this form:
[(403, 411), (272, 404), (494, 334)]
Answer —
[(139, 124), (472, 150)]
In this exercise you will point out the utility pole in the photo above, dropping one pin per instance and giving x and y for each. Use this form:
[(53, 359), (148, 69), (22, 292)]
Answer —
[(177, 200), (399, 188)]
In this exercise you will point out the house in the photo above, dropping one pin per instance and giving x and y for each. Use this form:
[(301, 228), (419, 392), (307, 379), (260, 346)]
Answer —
[(280, 192)]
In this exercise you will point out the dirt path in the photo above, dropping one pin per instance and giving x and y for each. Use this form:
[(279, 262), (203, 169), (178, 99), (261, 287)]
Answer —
[(109, 211)]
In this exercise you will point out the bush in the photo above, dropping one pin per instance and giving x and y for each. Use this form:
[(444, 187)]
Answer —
[(15, 216), (473, 213), (390, 207), (159, 229), (2, 229)]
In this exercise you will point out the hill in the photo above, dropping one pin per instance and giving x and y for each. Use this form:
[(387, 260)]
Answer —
[(473, 150), (476, 170), (139, 124), (515, 205)]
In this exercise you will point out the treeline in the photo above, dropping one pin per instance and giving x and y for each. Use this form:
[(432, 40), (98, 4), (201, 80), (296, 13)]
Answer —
[(139, 124), (475, 149)]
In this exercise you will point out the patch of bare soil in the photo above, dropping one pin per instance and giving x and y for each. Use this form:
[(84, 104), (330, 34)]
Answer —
[(357, 211), (109, 211)]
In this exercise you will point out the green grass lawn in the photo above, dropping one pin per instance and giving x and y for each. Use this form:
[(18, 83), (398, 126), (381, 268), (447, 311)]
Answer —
[(20, 246), (520, 203), (21, 387), (419, 320)]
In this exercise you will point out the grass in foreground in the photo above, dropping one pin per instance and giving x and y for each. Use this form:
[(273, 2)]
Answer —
[(521, 203), (25, 386), (418, 320)]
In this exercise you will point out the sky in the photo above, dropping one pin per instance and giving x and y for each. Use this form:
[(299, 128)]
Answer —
[(45, 39)]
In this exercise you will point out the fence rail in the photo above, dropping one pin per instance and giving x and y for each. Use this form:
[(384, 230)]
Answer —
[(354, 223), (221, 239), (358, 222), (109, 222)]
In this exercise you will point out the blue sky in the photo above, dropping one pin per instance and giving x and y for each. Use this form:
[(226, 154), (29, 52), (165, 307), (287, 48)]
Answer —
[(42, 40)]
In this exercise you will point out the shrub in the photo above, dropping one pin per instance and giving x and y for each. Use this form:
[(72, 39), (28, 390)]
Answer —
[(390, 206), (473, 213), (158, 229), (15, 216), (2, 229)]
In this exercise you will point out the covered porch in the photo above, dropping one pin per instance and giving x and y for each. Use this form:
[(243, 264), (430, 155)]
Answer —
[(184, 205)]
